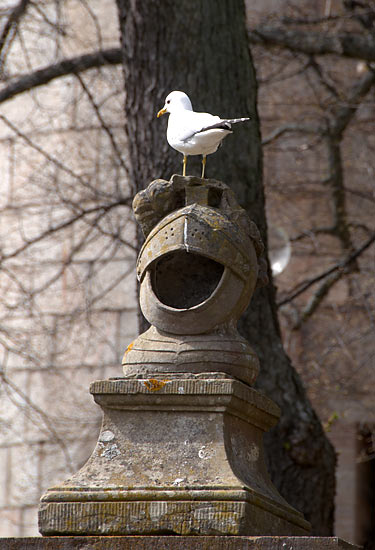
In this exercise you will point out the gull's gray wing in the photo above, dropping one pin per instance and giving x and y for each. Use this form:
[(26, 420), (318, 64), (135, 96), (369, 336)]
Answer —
[(183, 126), (222, 124)]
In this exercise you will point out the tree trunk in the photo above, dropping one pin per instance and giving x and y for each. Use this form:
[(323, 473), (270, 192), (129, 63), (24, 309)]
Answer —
[(201, 48)]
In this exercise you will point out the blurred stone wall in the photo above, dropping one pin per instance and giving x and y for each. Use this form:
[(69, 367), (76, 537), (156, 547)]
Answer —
[(68, 307)]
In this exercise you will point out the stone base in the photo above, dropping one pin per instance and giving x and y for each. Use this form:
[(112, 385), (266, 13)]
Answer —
[(197, 514), (177, 455), (176, 543)]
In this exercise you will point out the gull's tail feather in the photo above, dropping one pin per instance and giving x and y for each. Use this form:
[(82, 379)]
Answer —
[(225, 124), (235, 120)]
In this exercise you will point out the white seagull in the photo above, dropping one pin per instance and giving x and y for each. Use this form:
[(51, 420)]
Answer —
[(193, 133)]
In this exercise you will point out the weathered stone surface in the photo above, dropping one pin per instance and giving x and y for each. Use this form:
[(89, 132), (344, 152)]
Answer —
[(197, 270), (157, 351), (181, 445), (176, 543), (178, 455)]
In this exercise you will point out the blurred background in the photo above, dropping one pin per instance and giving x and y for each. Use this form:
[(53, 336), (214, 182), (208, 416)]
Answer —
[(67, 278)]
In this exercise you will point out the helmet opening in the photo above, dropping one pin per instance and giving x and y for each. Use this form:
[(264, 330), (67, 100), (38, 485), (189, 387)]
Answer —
[(183, 279)]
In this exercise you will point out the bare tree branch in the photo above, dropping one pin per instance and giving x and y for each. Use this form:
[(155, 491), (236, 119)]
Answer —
[(364, 13), (327, 83), (292, 128), (302, 287), (343, 113), (12, 22), (318, 297), (42, 415), (312, 20), (336, 183), (73, 65), (354, 45), (361, 194), (105, 126), (314, 231), (66, 223), (84, 182)]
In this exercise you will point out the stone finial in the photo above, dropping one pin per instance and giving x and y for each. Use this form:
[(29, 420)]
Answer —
[(198, 269)]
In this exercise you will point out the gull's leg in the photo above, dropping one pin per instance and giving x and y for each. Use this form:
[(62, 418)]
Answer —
[(203, 164), (184, 165)]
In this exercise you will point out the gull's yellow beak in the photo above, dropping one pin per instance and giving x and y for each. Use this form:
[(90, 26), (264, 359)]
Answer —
[(162, 112)]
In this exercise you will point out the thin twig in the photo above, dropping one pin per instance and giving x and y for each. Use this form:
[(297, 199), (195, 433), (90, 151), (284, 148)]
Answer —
[(42, 415), (302, 287), (315, 231), (12, 21), (73, 65), (353, 45), (318, 297), (104, 126), (290, 127), (59, 227)]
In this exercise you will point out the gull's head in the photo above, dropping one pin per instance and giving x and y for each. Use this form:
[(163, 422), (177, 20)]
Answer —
[(176, 101)]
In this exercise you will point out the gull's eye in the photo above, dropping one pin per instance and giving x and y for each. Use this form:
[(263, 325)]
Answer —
[(168, 101)]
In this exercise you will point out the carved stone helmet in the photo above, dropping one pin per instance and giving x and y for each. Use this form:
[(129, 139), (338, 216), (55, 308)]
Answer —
[(197, 270)]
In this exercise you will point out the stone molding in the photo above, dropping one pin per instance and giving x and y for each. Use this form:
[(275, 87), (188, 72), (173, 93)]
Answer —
[(176, 543)]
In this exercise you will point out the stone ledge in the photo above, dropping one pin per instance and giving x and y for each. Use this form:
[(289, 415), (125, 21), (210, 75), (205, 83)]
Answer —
[(176, 543)]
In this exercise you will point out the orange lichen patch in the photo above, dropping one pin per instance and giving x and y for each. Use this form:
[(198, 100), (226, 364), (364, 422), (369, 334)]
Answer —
[(129, 347), (154, 385)]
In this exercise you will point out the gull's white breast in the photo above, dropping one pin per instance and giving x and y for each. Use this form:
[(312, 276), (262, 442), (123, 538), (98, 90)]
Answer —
[(186, 133)]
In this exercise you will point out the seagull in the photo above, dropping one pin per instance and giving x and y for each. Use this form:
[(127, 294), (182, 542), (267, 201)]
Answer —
[(193, 133)]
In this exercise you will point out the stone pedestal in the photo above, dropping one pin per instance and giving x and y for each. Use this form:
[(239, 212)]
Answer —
[(177, 454), (181, 446), (176, 543)]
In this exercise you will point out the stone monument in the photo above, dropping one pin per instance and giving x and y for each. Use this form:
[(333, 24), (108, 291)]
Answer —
[(180, 451)]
